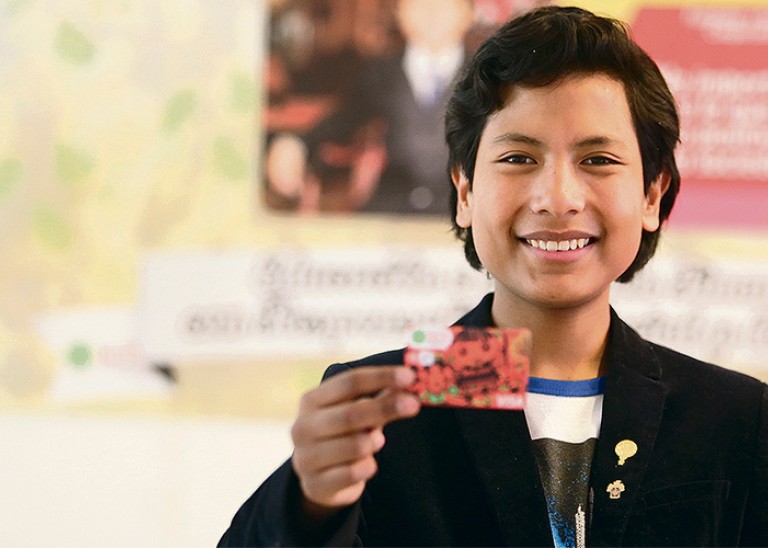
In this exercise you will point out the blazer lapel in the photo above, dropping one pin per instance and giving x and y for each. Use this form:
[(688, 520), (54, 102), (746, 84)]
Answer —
[(500, 445), (632, 409)]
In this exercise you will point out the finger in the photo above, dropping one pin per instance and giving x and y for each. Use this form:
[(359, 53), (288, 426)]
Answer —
[(353, 384), (340, 485), (337, 451), (349, 418)]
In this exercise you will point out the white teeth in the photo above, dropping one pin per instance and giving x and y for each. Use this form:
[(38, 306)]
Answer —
[(562, 245)]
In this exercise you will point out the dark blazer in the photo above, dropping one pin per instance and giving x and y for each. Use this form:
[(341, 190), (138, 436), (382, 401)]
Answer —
[(468, 477), (416, 150)]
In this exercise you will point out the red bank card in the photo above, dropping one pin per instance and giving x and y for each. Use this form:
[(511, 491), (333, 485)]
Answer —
[(477, 367)]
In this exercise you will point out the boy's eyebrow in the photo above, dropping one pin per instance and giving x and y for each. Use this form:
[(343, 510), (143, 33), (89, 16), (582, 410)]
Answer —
[(597, 140), (517, 138)]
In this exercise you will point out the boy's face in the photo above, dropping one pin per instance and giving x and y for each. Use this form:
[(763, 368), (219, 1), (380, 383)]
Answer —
[(558, 167)]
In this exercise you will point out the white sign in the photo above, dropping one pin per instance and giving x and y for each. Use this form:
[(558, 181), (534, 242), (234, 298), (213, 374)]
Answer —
[(300, 302), (341, 302), (714, 311)]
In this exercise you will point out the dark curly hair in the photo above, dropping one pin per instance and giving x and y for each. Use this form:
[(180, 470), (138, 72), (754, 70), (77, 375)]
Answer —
[(542, 47)]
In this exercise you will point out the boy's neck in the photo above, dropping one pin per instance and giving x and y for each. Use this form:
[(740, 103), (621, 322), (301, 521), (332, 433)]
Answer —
[(568, 344)]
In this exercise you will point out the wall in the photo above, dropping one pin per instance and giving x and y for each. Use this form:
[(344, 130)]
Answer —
[(131, 130)]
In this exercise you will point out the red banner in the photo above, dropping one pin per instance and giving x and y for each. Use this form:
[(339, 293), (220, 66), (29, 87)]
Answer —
[(716, 62)]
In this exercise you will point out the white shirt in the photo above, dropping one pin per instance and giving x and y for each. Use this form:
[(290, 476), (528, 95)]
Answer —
[(430, 74)]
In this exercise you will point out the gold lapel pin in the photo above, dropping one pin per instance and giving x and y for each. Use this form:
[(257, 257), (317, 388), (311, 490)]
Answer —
[(624, 450), (615, 489)]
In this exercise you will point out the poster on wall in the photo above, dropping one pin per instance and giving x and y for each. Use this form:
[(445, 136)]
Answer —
[(716, 62), (356, 93)]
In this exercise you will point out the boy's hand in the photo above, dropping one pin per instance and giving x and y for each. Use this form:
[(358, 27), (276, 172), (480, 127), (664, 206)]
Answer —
[(339, 429)]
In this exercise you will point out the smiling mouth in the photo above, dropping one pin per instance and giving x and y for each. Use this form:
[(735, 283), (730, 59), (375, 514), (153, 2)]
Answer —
[(559, 245)]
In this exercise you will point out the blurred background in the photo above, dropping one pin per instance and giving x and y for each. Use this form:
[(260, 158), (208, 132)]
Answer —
[(198, 215)]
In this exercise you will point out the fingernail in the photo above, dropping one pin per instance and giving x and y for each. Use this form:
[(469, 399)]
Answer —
[(378, 439), (407, 405), (404, 377)]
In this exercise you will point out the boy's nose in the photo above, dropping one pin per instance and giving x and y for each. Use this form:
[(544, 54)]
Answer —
[(558, 192)]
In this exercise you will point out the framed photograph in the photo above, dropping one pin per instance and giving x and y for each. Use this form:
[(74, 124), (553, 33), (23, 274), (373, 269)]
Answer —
[(356, 92)]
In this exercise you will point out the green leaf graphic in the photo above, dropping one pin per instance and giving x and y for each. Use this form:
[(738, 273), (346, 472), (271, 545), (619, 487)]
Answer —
[(180, 108), (51, 228), (243, 93), (72, 45), (228, 161), (14, 7), (10, 175), (72, 164)]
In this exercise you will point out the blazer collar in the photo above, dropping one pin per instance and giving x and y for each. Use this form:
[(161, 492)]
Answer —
[(480, 315), (501, 446)]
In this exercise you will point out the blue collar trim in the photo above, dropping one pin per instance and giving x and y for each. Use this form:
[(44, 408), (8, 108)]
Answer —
[(568, 389)]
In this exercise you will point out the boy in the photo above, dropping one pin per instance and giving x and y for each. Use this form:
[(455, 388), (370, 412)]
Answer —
[(561, 135)]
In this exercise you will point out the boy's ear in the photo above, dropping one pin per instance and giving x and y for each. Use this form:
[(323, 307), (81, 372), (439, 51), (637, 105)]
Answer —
[(464, 201), (653, 198)]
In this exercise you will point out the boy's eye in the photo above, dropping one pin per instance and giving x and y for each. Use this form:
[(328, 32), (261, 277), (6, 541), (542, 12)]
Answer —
[(600, 161), (518, 159)]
